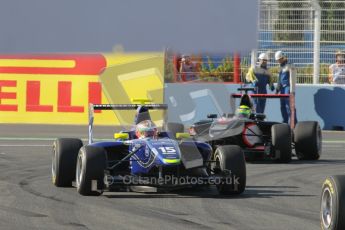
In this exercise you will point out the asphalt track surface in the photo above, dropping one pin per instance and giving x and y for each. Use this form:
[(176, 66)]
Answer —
[(278, 196)]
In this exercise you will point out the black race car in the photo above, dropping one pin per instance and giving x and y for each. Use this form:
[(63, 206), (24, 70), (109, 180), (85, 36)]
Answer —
[(258, 138)]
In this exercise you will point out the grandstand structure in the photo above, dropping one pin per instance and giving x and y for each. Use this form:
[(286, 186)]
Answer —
[(308, 31)]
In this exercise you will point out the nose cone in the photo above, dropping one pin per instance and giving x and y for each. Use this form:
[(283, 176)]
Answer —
[(171, 161), (166, 151)]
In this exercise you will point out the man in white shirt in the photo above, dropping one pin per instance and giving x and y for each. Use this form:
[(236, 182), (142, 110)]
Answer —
[(337, 70)]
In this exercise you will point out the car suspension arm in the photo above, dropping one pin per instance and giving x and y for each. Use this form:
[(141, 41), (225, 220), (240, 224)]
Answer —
[(124, 159)]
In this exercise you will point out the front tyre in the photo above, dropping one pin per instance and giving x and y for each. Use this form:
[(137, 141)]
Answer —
[(308, 140), (64, 158), (230, 163), (333, 203), (91, 163), (281, 142)]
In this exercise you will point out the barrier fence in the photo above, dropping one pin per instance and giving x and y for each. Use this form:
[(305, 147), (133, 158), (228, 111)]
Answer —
[(309, 31)]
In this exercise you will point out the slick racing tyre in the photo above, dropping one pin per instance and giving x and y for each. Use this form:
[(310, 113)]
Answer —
[(91, 163), (64, 158), (230, 163), (281, 142), (308, 140), (332, 209)]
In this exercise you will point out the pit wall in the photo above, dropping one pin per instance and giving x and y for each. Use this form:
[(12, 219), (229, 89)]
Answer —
[(189, 103)]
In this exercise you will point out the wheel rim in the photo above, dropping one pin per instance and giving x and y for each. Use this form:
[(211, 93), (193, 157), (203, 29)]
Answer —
[(326, 208), (79, 175), (54, 164)]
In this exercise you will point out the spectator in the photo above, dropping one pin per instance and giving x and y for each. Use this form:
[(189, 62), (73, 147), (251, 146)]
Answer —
[(188, 69), (337, 70), (285, 82), (259, 77)]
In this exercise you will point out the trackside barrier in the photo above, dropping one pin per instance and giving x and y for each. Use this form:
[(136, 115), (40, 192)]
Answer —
[(57, 88), (189, 103)]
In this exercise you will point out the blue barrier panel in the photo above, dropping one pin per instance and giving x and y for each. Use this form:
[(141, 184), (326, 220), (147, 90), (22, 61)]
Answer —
[(189, 103)]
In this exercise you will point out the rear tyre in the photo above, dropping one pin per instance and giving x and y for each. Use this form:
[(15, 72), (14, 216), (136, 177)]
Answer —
[(230, 162), (308, 140), (281, 142), (91, 163), (174, 128), (65, 151), (332, 209)]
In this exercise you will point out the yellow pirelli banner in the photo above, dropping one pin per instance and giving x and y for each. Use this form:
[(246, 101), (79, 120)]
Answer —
[(58, 88)]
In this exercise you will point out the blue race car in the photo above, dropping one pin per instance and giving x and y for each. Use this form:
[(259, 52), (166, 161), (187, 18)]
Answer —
[(143, 157)]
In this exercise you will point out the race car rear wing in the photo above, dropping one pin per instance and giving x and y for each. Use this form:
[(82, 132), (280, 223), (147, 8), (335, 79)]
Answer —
[(97, 107), (127, 106), (238, 95), (233, 96)]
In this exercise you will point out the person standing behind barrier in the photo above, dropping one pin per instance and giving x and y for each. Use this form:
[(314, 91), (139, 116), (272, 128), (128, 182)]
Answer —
[(286, 85), (188, 69), (260, 77), (337, 70)]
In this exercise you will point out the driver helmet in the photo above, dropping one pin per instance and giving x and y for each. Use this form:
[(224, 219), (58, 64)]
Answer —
[(246, 100), (243, 111), (146, 129)]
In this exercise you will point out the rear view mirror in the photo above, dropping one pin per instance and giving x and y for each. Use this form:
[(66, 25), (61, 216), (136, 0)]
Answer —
[(212, 116)]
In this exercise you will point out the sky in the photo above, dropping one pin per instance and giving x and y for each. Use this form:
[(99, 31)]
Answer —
[(137, 25)]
